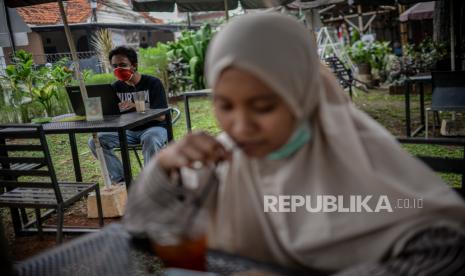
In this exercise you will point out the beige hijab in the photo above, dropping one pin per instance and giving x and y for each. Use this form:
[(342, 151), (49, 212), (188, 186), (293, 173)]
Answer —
[(349, 154)]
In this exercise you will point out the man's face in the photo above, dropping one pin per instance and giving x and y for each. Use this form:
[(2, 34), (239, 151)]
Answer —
[(122, 62)]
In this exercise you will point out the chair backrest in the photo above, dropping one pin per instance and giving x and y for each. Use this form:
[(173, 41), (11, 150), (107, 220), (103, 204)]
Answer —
[(24, 153), (172, 117), (343, 74), (448, 91)]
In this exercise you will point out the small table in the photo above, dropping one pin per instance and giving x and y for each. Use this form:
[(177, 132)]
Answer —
[(421, 79), (111, 123), (187, 95), (113, 251)]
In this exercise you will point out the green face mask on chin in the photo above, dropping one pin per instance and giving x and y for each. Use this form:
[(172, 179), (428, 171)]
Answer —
[(299, 138)]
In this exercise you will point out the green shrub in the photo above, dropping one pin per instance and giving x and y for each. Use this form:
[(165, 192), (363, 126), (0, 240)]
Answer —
[(33, 90), (105, 78), (190, 49), (422, 57), (153, 61)]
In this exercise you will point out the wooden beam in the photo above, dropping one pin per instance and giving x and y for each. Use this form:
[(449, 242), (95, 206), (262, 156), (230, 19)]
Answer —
[(226, 10), (351, 24), (319, 3), (360, 18), (403, 28), (326, 9), (340, 18), (369, 22)]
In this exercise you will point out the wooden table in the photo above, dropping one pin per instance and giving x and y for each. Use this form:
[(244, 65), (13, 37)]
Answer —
[(421, 79), (112, 123), (113, 251)]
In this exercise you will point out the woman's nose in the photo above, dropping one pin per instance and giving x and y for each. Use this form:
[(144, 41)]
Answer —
[(243, 125)]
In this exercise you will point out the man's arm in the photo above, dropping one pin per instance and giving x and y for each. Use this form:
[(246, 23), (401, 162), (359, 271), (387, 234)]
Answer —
[(121, 104)]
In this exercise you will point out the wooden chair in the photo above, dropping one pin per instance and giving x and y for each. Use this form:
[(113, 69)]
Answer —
[(24, 164)]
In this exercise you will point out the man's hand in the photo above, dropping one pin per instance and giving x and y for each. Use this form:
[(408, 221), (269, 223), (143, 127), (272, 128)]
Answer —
[(161, 118), (126, 105)]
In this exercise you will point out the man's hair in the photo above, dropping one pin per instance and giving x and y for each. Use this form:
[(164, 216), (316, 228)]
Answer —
[(124, 51)]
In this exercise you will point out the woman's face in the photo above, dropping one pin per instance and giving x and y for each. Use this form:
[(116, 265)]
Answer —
[(251, 113)]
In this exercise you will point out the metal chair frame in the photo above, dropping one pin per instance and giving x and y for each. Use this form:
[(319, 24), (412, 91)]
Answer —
[(19, 159), (447, 90)]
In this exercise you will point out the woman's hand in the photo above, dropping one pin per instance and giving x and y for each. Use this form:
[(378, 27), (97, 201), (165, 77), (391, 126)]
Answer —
[(192, 150)]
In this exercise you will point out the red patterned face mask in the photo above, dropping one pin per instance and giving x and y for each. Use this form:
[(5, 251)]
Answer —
[(123, 74)]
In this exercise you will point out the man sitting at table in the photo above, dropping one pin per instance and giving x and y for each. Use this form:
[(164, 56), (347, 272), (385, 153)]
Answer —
[(152, 135)]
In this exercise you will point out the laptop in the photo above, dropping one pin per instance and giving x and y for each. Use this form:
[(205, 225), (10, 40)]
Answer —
[(106, 93)]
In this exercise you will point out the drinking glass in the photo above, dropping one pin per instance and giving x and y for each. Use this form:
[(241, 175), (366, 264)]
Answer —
[(139, 100), (93, 108)]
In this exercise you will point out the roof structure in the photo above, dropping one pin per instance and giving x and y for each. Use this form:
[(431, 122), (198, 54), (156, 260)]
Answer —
[(77, 11)]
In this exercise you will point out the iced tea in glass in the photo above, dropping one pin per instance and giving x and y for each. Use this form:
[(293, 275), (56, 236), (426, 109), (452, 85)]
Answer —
[(187, 250), (189, 253)]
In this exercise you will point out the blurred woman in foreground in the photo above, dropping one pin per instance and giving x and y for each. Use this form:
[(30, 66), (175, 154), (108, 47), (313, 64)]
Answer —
[(289, 130)]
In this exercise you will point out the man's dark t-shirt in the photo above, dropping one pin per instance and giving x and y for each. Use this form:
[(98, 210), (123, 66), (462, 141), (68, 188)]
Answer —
[(154, 95)]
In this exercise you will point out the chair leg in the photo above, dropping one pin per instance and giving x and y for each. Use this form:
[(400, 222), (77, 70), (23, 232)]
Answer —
[(16, 220), (24, 217), (426, 123), (99, 206), (60, 218), (39, 222), (434, 123), (437, 117), (138, 158)]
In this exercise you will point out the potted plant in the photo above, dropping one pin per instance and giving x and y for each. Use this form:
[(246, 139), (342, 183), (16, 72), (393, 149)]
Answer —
[(396, 78), (360, 53), (380, 56)]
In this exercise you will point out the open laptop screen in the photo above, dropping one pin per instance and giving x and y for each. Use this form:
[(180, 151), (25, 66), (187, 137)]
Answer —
[(106, 93)]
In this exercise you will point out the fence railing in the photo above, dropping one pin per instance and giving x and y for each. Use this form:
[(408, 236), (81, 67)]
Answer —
[(87, 60)]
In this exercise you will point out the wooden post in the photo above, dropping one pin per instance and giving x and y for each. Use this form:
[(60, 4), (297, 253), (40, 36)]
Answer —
[(360, 19), (403, 28), (72, 48), (452, 37), (10, 30), (226, 10)]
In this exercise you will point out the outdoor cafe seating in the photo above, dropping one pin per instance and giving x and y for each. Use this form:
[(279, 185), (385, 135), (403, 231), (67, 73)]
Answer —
[(25, 161), (448, 95)]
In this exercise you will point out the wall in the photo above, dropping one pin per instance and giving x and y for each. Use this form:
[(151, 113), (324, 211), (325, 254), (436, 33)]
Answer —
[(35, 46), (160, 36), (55, 41)]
